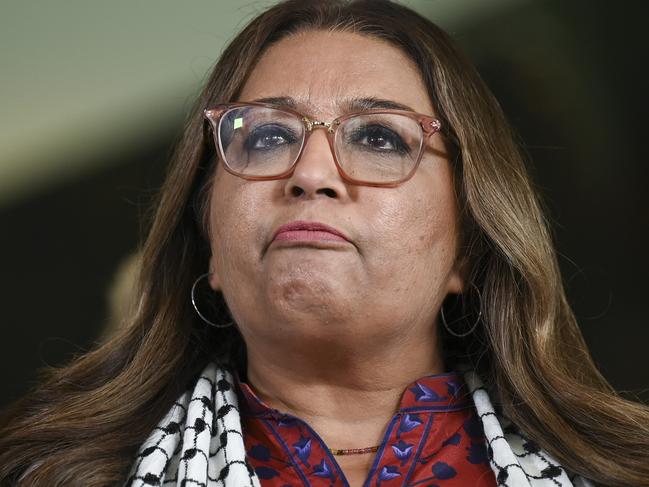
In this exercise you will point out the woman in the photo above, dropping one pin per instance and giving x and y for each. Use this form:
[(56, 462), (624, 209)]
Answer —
[(320, 302)]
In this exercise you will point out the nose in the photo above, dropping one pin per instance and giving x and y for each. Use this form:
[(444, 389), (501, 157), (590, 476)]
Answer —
[(315, 173)]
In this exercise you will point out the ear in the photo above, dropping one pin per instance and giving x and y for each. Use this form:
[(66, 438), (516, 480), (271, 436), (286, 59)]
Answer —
[(457, 277), (215, 281)]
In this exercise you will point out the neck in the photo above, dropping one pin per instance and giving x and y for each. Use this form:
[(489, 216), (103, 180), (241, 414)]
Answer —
[(346, 393)]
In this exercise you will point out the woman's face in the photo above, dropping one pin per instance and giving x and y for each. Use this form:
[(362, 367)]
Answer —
[(387, 281)]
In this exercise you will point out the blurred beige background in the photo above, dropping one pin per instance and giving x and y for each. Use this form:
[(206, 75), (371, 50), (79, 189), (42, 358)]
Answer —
[(81, 78)]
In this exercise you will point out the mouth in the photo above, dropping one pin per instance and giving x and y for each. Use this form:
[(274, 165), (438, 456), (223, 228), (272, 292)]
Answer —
[(308, 232)]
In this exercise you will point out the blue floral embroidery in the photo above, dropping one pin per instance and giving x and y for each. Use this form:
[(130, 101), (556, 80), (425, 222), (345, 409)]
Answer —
[(402, 451), (425, 394), (443, 471), (266, 472), (303, 449), (453, 440), (473, 427), (477, 453), (260, 452), (287, 422), (453, 388), (389, 472), (323, 470), (408, 423)]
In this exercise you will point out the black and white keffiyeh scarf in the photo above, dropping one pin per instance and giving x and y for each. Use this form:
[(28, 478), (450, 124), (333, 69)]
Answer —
[(200, 443)]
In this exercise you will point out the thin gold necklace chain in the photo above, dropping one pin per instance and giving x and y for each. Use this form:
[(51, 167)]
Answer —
[(354, 451)]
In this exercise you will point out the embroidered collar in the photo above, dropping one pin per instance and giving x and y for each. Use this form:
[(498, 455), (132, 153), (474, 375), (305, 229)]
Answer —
[(431, 393), (200, 441)]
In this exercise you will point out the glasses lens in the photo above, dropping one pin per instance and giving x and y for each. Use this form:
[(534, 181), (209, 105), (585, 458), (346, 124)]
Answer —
[(378, 147), (260, 141)]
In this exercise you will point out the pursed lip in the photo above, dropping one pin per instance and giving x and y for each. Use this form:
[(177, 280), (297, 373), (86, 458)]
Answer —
[(301, 230)]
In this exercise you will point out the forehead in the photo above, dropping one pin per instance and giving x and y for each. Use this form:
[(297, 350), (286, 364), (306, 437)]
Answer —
[(323, 70)]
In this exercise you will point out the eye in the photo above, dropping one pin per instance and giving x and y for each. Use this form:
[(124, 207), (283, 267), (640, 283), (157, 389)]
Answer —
[(269, 137), (378, 138)]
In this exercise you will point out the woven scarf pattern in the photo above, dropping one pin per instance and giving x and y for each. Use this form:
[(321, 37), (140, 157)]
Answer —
[(515, 459), (199, 442)]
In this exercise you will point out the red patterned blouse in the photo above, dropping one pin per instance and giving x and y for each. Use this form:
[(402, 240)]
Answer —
[(435, 439)]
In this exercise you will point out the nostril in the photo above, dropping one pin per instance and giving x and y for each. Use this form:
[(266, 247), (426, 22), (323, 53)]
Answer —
[(297, 191), (327, 191)]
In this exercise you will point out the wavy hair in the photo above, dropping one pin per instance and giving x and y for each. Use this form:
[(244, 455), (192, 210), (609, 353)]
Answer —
[(83, 424)]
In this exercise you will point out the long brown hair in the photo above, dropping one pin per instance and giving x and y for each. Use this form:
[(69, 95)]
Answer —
[(83, 424)]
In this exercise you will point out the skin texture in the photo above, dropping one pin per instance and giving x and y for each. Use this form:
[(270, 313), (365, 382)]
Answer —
[(336, 330)]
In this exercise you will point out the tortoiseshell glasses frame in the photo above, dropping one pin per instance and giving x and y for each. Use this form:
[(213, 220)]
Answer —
[(427, 126)]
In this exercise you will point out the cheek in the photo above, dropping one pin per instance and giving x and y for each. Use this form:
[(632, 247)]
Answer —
[(234, 224), (416, 225), (417, 235), (435, 209)]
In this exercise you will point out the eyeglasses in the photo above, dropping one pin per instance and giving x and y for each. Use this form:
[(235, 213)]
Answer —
[(259, 141)]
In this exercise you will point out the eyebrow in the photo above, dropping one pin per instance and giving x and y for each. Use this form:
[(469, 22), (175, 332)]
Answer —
[(349, 106)]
